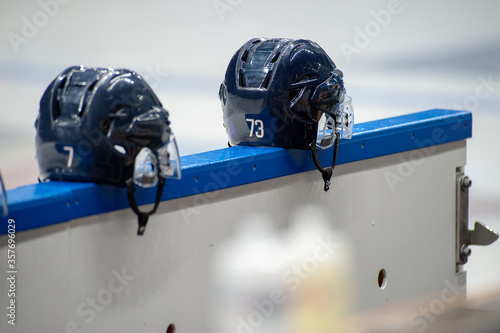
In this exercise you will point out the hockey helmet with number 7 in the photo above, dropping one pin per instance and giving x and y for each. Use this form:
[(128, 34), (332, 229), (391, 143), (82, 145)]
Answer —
[(105, 125)]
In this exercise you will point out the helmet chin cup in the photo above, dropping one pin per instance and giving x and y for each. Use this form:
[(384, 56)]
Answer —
[(145, 168), (344, 116), (169, 162)]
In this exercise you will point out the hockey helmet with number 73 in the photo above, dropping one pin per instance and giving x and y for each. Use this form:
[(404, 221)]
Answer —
[(285, 93)]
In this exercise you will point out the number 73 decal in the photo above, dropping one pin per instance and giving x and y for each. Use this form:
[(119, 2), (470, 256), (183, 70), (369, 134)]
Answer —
[(256, 128)]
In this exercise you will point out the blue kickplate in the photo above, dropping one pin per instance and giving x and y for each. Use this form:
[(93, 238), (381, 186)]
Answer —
[(43, 204)]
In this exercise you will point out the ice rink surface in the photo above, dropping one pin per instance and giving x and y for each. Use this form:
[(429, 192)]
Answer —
[(398, 57)]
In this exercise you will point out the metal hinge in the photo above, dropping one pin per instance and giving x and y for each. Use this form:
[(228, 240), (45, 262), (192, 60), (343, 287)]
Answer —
[(480, 235)]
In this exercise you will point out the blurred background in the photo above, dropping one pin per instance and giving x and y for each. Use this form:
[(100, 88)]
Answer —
[(398, 57)]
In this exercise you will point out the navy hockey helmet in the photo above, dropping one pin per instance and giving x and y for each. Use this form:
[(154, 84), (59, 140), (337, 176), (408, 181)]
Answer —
[(106, 126), (285, 93)]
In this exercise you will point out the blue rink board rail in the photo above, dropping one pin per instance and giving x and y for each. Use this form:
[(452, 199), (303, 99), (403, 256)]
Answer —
[(43, 204)]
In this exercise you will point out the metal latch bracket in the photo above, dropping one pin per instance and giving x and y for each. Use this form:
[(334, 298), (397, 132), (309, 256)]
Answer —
[(480, 235)]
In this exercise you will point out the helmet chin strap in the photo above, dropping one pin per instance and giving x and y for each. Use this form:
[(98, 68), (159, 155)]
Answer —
[(326, 172), (143, 216)]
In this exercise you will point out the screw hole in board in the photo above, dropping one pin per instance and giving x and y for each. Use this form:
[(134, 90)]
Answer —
[(382, 279), (171, 328)]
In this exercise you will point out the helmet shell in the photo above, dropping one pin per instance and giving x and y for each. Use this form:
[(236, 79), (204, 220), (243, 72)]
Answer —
[(92, 123), (275, 91)]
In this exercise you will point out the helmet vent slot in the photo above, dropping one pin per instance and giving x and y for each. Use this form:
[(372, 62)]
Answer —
[(275, 58), (63, 82), (265, 83), (59, 94), (242, 78), (82, 107), (86, 98), (244, 57), (57, 109), (294, 95), (92, 85)]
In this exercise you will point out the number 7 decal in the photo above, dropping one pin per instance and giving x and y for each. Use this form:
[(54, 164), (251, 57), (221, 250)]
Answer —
[(70, 157), (256, 128)]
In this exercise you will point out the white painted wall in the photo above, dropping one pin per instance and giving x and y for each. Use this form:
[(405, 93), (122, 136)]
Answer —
[(407, 228)]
